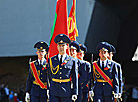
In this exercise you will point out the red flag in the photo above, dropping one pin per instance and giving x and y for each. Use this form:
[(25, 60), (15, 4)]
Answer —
[(73, 31), (60, 25)]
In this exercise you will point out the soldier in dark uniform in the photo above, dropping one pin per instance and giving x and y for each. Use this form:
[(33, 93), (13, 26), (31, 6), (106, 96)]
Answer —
[(110, 57), (62, 67), (85, 85), (36, 86), (74, 48), (105, 75)]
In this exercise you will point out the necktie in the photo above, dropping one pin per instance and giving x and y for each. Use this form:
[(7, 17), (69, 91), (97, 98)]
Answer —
[(40, 62), (61, 59), (102, 64)]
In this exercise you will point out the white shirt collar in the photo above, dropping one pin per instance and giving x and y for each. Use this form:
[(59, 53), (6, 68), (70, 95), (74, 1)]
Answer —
[(63, 57), (105, 61), (42, 61)]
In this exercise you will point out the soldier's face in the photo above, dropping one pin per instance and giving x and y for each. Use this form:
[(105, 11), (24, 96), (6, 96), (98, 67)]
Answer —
[(80, 55), (62, 48), (41, 54), (103, 55), (110, 56), (73, 53)]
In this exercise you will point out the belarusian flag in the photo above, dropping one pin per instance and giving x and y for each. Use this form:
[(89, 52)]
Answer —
[(60, 25), (73, 31)]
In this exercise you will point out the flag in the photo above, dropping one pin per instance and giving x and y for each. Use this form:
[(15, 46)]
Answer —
[(73, 31), (60, 25)]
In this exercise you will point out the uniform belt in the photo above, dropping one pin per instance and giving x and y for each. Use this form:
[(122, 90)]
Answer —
[(60, 80), (100, 80), (38, 83)]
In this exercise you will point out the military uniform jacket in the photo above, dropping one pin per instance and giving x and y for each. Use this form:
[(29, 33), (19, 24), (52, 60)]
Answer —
[(119, 76), (81, 71), (32, 87), (88, 77), (63, 72), (104, 87)]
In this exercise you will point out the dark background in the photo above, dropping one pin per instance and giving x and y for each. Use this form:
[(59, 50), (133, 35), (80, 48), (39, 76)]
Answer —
[(117, 23)]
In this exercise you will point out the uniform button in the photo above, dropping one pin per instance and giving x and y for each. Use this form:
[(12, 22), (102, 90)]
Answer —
[(41, 73), (60, 68), (41, 78), (60, 77), (60, 72), (103, 83)]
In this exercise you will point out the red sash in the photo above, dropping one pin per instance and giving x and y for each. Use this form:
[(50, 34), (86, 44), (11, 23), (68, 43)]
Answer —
[(37, 80), (106, 78)]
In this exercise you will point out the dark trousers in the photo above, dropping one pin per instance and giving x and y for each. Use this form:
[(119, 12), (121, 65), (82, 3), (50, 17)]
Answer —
[(59, 99), (101, 98), (84, 96), (38, 99)]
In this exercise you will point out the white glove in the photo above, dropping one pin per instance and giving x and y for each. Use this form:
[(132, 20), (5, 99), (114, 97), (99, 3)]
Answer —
[(74, 97), (71, 85), (91, 93), (119, 95), (48, 94), (115, 95), (27, 97)]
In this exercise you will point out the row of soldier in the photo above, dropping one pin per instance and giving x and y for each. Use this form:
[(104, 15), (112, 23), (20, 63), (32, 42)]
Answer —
[(66, 78)]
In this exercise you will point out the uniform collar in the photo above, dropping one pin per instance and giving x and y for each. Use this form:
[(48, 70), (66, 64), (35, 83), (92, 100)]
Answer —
[(105, 62), (63, 56), (42, 61)]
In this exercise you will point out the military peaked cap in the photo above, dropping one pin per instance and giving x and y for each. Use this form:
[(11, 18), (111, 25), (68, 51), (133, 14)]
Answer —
[(83, 48), (103, 46), (41, 45), (61, 39), (74, 45)]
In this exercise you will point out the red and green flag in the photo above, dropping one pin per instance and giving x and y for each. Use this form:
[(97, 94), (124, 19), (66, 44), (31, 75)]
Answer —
[(73, 31), (60, 25)]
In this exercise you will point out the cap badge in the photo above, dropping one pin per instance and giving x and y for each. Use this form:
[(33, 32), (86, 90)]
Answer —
[(61, 41), (41, 47)]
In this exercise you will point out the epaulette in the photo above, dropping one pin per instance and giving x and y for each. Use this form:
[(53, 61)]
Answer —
[(115, 62), (35, 62), (74, 59), (86, 61), (53, 57)]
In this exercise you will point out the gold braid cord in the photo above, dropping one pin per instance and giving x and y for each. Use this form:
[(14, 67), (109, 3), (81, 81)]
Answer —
[(95, 73), (52, 68)]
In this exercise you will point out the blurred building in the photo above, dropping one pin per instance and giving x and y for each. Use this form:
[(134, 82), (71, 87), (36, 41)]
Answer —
[(23, 23)]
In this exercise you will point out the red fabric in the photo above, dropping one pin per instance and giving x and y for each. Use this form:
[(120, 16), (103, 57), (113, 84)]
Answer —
[(106, 68), (73, 32), (37, 80), (61, 26), (15, 99)]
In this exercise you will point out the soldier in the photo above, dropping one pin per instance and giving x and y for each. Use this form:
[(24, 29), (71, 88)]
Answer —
[(105, 75), (110, 57), (85, 85), (74, 48), (62, 67), (36, 86)]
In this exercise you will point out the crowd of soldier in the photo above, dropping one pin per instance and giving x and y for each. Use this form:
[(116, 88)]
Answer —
[(64, 77)]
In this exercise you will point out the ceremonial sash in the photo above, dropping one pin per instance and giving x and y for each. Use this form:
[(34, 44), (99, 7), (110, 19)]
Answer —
[(106, 78), (36, 76)]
